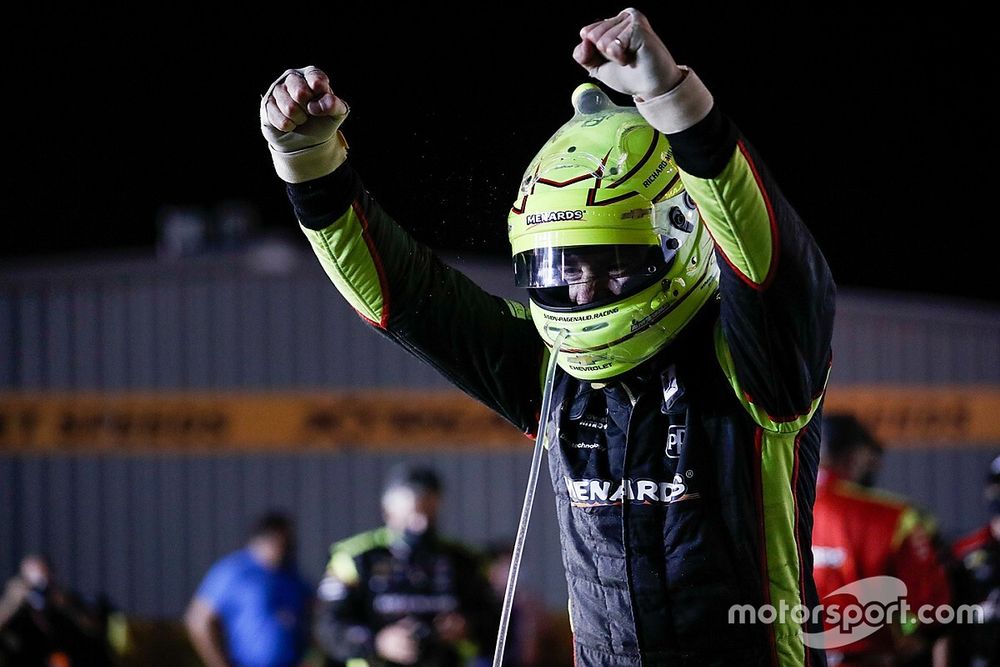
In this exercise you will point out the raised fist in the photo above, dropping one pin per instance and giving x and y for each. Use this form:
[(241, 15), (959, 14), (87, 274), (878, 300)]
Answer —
[(300, 117), (624, 53)]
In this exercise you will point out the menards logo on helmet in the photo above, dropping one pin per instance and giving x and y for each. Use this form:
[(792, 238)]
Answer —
[(553, 216)]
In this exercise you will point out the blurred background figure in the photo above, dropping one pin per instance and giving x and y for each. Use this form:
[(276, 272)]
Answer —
[(403, 595), (532, 639), (862, 463), (978, 582), (859, 532), (44, 624), (859, 457), (252, 608)]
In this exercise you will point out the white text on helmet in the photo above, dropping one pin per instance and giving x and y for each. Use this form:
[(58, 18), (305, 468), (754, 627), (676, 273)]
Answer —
[(553, 216), (581, 318), (656, 172)]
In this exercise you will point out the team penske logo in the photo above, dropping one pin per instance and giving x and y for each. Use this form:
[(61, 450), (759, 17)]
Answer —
[(676, 436), (553, 216), (600, 492)]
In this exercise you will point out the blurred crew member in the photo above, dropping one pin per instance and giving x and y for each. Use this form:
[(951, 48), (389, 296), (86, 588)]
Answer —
[(860, 533), (44, 624), (252, 608), (978, 645), (402, 595), (864, 462)]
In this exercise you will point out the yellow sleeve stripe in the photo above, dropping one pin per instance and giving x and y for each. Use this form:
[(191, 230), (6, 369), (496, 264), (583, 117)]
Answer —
[(347, 253), (739, 216)]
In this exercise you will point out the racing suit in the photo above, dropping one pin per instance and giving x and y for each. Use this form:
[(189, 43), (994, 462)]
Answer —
[(378, 578), (683, 487), (860, 533)]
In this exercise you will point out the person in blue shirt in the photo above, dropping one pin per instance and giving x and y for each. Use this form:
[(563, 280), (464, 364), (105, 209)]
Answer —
[(252, 608)]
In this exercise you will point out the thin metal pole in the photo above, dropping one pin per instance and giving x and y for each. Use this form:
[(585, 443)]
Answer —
[(529, 499)]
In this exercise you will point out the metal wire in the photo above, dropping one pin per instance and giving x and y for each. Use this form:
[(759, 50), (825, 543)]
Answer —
[(529, 499)]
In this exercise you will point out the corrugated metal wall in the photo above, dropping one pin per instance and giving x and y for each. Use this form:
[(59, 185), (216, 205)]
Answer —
[(198, 324), (219, 323), (144, 528), (912, 340)]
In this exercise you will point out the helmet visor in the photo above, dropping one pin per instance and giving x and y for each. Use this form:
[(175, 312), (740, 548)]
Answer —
[(574, 265), (577, 277)]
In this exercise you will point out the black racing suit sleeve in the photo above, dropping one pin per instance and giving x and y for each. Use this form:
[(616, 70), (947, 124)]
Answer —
[(343, 628), (777, 291), (483, 344)]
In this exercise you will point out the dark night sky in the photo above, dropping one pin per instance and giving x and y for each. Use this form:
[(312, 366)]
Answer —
[(874, 121)]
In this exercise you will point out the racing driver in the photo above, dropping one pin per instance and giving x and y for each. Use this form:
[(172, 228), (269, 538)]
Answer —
[(695, 313)]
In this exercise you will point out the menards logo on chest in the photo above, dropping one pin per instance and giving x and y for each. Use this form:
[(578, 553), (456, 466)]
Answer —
[(596, 492)]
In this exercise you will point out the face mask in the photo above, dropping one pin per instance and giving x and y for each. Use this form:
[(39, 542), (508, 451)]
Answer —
[(868, 479), (37, 597), (414, 539)]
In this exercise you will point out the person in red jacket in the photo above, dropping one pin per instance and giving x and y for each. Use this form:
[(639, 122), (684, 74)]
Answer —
[(861, 533)]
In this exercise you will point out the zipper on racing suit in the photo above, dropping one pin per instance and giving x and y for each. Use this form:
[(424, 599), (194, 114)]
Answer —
[(626, 508)]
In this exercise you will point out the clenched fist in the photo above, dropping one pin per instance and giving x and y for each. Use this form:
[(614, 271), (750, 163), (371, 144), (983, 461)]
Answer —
[(300, 117), (624, 53), (627, 55)]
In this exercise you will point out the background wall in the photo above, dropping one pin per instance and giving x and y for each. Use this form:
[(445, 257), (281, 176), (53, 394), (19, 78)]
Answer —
[(144, 527)]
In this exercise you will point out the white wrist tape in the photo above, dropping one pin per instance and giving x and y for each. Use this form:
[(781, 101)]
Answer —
[(312, 162), (680, 107), (309, 151)]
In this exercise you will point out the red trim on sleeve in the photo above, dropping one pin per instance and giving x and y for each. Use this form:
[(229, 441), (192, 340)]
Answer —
[(377, 259), (782, 420), (775, 243), (366, 318), (532, 434)]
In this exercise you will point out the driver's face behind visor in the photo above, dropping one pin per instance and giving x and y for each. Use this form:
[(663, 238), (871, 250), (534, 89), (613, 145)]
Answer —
[(581, 276), (590, 280)]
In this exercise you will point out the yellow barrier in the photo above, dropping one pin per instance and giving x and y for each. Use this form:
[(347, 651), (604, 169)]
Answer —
[(247, 421), (227, 421), (918, 416)]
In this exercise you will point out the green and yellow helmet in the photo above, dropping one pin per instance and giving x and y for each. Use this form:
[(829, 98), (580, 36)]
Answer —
[(608, 243)]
